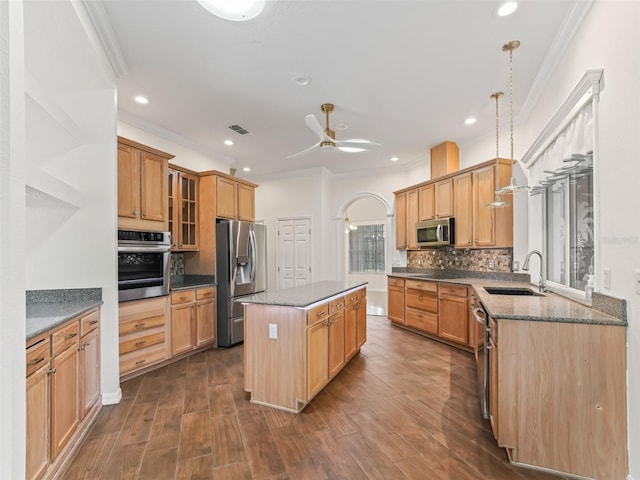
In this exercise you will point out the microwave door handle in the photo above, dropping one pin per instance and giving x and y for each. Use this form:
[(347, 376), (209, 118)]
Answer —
[(439, 233)]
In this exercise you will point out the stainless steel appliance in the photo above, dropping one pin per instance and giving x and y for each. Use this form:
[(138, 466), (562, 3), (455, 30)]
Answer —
[(143, 264), (432, 233), (241, 270), (482, 353)]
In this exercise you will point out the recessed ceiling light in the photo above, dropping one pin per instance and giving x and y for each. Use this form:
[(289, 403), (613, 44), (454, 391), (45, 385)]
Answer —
[(470, 121), (394, 159), (507, 9), (302, 80), (228, 142), (235, 10), (142, 100), (246, 169)]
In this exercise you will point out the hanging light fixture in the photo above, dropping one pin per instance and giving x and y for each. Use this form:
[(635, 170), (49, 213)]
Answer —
[(497, 202), (513, 185), (348, 226)]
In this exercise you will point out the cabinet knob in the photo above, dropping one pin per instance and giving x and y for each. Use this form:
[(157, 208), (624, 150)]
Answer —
[(50, 371), (134, 212), (138, 325), (144, 215), (36, 361), (71, 335)]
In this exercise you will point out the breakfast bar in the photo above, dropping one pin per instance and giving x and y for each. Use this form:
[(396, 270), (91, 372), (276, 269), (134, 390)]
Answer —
[(297, 340)]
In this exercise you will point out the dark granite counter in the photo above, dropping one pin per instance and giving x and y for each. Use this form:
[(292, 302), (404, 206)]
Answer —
[(184, 282), (547, 307), (303, 296), (47, 309)]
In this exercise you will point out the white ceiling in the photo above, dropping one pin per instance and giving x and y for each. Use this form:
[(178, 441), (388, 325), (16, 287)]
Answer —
[(404, 74)]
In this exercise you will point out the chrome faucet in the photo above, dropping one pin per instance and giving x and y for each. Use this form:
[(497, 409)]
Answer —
[(542, 283)]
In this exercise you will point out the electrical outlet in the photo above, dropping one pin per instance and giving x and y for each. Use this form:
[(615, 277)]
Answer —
[(637, 281), (516, 265), (492, 264), (273, 331), (606, 278)]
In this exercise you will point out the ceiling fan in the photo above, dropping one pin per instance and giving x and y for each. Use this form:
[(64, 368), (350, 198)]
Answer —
[(328, 137)]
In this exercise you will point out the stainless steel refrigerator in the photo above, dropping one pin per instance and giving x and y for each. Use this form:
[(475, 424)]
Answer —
[(241, 269)]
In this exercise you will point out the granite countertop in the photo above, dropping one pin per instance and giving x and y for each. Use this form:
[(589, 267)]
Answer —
[(46, 309), (303, 296), (547, 307), (184, 282)]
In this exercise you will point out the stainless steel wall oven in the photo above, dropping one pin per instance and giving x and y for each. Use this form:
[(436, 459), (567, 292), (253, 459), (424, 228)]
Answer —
[(143, 264)]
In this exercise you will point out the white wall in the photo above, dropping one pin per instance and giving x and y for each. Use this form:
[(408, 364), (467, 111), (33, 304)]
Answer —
[(608, 39)]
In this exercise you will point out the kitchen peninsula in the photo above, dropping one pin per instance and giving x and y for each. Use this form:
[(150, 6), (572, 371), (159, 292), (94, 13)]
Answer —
[(297, 339)]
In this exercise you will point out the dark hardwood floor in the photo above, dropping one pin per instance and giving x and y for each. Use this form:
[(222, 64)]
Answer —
[(405, 407)]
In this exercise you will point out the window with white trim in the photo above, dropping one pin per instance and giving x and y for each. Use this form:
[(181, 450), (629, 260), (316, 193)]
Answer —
[(366, 248)]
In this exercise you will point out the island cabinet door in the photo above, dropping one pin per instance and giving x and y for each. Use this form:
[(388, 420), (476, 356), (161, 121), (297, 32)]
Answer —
[(361, 322), (350, 329), (317, 354), (336, 343)]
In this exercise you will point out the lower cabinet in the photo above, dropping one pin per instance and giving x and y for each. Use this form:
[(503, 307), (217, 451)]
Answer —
[(317, 356), (436, 309), (63, 389), (193, 319)]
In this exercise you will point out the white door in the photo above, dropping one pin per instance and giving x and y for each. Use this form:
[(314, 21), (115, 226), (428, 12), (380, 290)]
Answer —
[(294, 252)]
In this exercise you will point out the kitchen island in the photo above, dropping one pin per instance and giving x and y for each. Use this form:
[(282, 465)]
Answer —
[(296, 340)]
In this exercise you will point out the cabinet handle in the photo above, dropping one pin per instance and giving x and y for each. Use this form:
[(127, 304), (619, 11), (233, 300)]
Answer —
[(141, 342), (36, 361), (141, 324), (93, 322), (50, 371), (320, 313), (140, 362), (134, 212), (144, 215), (71, 335), (338, 305)]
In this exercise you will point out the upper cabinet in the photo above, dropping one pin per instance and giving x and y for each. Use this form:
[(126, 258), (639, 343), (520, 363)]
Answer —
[(235, 198), (183, 209), (445, 159), (444, 198), (492, 227), (407, 213), (142, 186)]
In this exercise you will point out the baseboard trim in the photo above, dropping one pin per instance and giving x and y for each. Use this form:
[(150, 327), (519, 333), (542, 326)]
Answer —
[(112, 398)]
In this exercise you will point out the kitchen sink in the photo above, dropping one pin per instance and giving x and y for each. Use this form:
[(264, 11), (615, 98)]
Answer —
[(519, 291)]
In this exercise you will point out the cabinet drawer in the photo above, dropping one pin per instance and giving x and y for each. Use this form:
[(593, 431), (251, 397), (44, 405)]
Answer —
[(203, 293), (65, 337), (137, 360), (362, 293), (317, 313), (336, 305), (139, 343), (183, 296), (426, 301), (427, 322), (37, 355), (420, 285), (141, 325), (395, 282), (89, 322), (351, 297), (450, 289)]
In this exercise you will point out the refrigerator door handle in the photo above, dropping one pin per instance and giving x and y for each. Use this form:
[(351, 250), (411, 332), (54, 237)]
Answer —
[(252, 247)]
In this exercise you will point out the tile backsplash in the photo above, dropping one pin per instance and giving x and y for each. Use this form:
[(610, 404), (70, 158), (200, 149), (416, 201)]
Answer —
[(177, 264), (479, 260)]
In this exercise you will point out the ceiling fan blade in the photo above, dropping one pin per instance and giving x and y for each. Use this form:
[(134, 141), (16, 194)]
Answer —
[(358, 143), (305, 151), (314, 125)]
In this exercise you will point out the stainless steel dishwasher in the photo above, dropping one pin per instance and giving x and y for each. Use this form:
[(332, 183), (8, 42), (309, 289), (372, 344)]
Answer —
[(482, 353)]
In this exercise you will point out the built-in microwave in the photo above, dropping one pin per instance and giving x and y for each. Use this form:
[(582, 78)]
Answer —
[(433, 233)]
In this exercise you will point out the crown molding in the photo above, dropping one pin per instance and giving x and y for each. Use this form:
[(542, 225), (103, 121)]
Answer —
[(564, 35), (100, 20)]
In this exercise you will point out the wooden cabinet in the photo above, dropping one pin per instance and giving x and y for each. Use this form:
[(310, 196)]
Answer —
[(401, 221), (63, 389), (38, 401), (337, 358), (192, 319), (453, 313), (235, 199), (412, 218), (142, 186), (89, 361), (143, 327), (317, 355), (444, 198), (445, 158), (492, 227), (395, 300), (558, 396), (421, 305), (427, 202), (361, 318), (183, 209), (355, 319), (463, 210)]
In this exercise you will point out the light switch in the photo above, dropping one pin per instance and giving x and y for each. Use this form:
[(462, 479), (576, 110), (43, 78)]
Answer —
[(637, 280), (606, 278), (273, 330)]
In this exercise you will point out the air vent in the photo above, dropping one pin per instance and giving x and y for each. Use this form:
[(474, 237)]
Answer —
[(239, 130)]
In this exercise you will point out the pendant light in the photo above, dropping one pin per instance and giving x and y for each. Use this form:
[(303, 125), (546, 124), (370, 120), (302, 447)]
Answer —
[(513, 185), (497, 202)]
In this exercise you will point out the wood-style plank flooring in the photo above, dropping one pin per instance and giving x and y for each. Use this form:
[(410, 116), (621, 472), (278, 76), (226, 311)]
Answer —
[(404, 408)]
